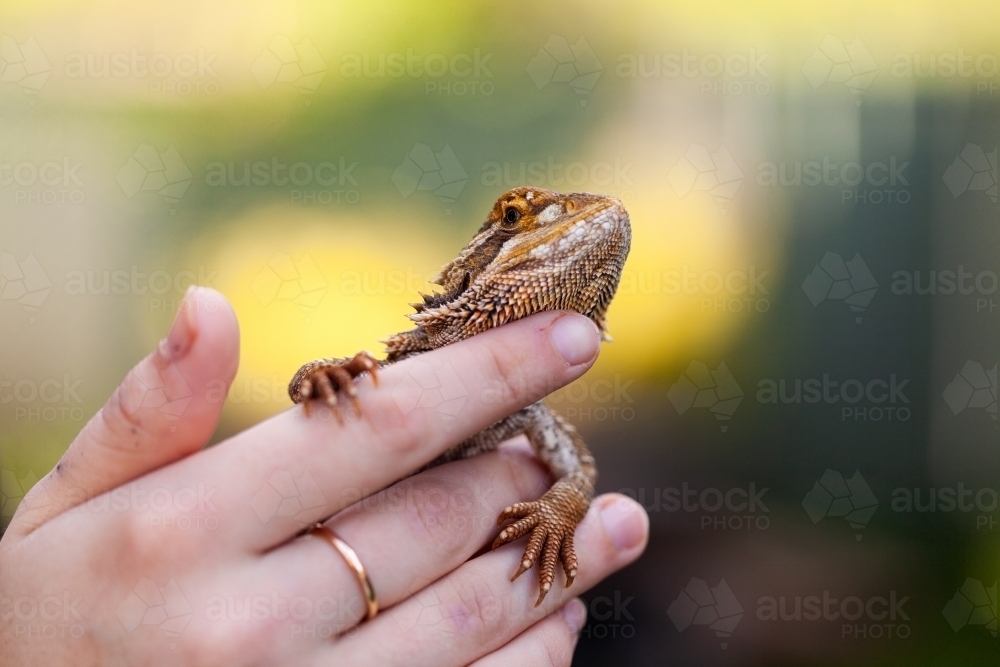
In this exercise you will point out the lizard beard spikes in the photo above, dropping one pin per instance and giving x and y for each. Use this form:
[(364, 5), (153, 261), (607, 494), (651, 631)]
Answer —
[(537, 250)]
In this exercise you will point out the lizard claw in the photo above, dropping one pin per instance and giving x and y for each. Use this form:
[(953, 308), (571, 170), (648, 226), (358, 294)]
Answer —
[(322, 380), (552, 522)]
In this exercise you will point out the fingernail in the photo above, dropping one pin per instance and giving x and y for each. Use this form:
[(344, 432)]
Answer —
[(624, 524), (575, 338), (182, 331), (575, 614)]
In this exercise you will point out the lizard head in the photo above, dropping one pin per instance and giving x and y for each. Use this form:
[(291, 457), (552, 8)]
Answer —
[(537, 250)]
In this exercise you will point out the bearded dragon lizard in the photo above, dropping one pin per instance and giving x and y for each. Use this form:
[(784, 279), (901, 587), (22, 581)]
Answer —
[(537, 250)]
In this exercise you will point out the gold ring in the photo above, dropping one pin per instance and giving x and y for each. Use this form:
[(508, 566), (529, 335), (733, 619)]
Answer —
[(352, 560)]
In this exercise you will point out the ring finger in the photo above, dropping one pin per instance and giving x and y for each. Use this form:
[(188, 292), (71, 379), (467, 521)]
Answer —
[(406, 536), (476, 610)]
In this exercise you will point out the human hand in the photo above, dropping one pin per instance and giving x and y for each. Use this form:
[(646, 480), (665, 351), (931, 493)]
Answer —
[(140, 548)]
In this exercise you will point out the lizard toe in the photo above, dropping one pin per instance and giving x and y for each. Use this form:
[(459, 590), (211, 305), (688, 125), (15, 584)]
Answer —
[(517, 511), (567, 555), (531, 552), (547, 566), (323, 379), (515, 530)]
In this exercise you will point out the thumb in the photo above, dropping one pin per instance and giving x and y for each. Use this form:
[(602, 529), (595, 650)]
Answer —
[(166, 408)]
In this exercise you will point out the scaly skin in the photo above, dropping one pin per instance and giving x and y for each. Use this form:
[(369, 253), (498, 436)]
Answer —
[(538, 250)]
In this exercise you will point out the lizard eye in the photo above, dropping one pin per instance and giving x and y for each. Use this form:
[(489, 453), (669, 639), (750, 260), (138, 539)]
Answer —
[(511, 215)]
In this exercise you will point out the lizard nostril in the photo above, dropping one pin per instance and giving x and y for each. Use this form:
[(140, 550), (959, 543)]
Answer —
[(570, 205)]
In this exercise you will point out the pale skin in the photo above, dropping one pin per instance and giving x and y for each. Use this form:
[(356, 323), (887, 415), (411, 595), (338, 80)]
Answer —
[(137, 499)]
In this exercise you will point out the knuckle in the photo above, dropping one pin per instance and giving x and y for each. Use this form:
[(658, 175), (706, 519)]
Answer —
[(146, 545), (149, 400), (476, 609), (229, 642), (151, 537), (409, 404), (121, 415), (441, 512), (507, 365), (138, 407), (402, 432)]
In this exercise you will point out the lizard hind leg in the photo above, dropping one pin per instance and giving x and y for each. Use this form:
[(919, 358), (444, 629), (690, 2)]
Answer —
[(552, 519)]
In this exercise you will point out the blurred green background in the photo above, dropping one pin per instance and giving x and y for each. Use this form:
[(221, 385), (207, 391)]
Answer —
[(799, 177)]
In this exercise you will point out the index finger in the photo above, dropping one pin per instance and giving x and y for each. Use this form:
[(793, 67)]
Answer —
[(293, 470)]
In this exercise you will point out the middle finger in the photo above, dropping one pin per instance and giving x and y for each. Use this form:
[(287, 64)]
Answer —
[(290, 471)]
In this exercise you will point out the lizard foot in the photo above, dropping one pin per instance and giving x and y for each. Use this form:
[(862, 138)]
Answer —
[(322, 379), (552, 522)]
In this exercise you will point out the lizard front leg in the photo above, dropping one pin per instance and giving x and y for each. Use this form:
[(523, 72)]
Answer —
[(552, 519), (323, 378)]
